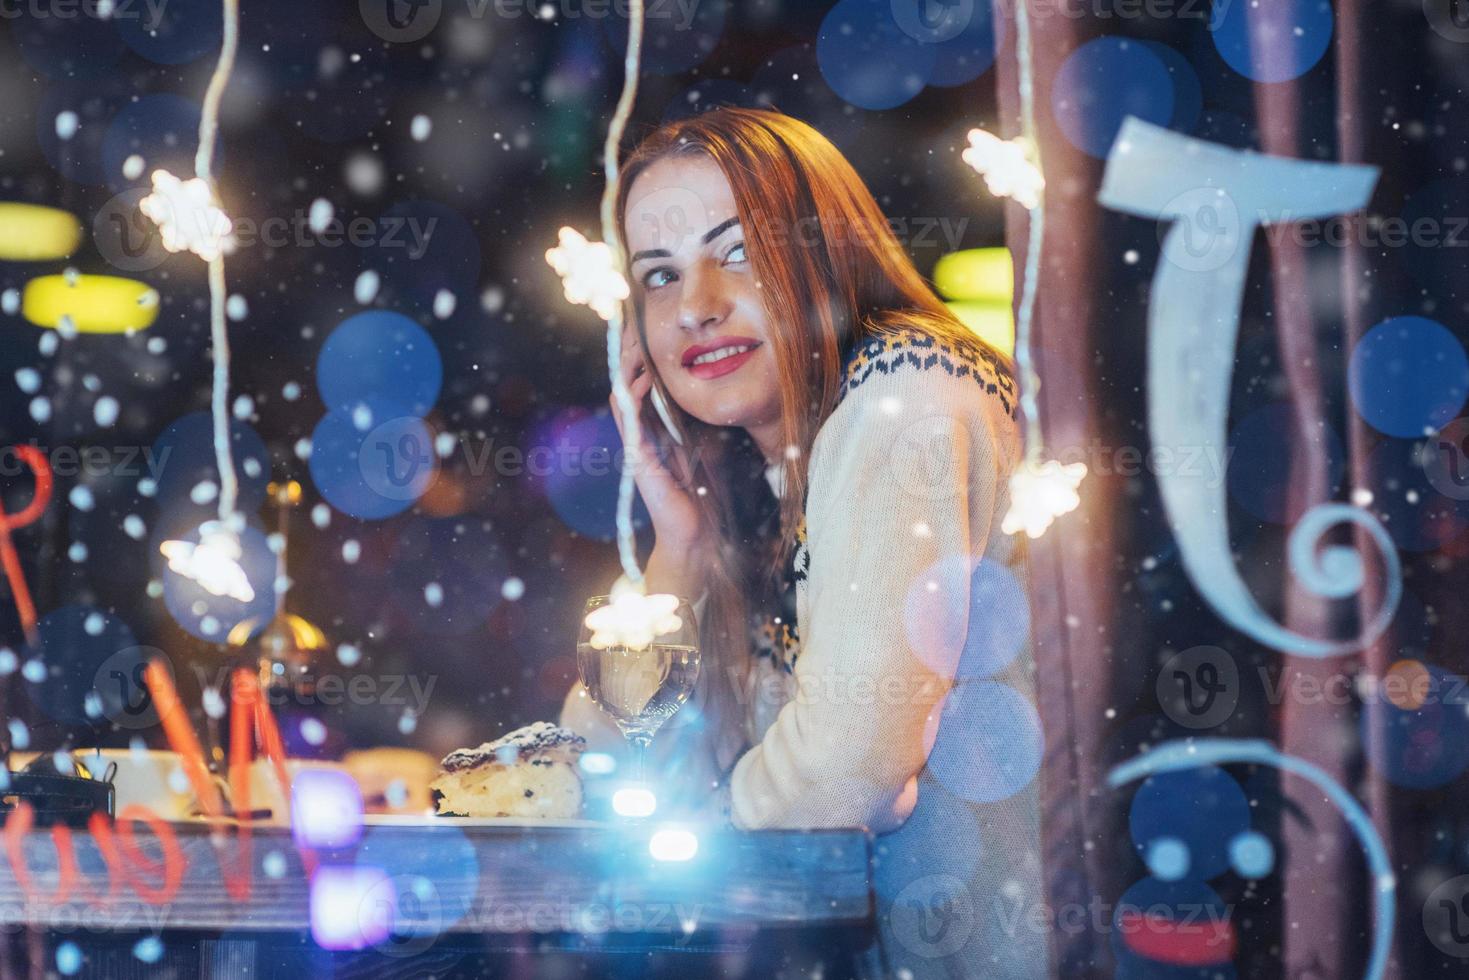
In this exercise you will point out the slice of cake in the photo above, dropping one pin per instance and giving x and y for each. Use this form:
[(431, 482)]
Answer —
[(531, 772)]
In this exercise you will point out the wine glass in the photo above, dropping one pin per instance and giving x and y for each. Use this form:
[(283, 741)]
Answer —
[(642, 668)]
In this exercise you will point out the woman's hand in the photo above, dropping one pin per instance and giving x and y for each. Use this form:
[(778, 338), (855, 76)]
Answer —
[(680, 552)]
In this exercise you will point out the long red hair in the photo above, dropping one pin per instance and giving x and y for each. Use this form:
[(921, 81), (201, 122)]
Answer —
[(832, 273)]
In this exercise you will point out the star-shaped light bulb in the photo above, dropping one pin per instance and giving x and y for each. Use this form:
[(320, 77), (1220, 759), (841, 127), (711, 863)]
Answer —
[(188, 216), (1008, 167), (632, 619), (1040, 493), (588, 274), (214, 562)]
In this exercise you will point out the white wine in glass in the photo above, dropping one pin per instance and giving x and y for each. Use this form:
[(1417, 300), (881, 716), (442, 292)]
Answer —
[(640, 689)]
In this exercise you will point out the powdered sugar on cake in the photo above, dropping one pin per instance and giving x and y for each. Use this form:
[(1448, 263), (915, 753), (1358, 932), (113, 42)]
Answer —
[(541, 736)]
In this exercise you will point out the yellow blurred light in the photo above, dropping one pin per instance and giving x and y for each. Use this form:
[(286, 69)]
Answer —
[(94, 304), (976, 274), (31, 233), (992, 322), (285, 631)]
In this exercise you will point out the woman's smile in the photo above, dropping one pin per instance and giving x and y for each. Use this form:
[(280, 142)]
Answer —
[(719, 357)]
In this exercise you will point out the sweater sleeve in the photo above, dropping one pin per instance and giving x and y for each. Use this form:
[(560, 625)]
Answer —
[(904, 480)]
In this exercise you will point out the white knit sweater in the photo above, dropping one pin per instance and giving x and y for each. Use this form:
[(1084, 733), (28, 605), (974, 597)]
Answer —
[(907, 488)]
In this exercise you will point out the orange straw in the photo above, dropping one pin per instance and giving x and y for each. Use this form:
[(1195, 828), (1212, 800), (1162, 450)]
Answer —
[(270, 740), (242, 717), (181, 737)]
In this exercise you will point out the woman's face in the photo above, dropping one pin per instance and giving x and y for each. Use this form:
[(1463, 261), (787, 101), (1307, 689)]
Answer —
[(707, 329)]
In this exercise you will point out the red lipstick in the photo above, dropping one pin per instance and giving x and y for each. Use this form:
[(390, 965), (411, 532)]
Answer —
[(719, 357)]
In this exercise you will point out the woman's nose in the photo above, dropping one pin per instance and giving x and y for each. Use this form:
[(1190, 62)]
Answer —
[(704, 302)]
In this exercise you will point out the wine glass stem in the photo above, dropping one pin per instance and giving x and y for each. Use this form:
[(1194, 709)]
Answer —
[(640, 755)]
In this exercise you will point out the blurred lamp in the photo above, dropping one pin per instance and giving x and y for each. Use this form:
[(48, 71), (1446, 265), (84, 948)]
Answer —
[(992, 322), (352, 908), (286, 646), (634, 801), (31, 233), (326, 809), (986, 274), (673, 844), (90, 304)]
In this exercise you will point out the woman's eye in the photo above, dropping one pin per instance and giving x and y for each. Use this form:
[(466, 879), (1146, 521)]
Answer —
[(736, 254), (658, 277)]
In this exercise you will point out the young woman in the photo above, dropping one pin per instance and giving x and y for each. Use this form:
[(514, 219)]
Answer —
[(846, 445)]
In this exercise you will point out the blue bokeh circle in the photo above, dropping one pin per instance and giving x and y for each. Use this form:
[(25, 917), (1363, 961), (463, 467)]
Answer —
[(1103, 82), (211, 617), (1409, 376), (372, 460), (1203, 807), (989, 744), (380, 354), (868, 59), (173, 33), (1299, 29)]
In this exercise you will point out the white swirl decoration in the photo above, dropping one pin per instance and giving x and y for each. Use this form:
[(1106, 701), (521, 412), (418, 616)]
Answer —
[(1216, 198), (1191, 754)]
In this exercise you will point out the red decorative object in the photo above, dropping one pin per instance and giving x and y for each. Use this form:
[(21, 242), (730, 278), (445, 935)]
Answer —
[(14, 574)]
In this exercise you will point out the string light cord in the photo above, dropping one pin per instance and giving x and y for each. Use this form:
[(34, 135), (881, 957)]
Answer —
[(219, 337), (631, 428), (1030, 381)]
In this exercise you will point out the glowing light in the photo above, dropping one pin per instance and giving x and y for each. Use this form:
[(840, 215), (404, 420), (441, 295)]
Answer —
[(634, 801), (598, 763), (1407, 685), (632, 619), (214, 562), (352, 908), (1007, 166), (1252, 855), (1040, 492), (992, 322), (588, 272), (32, 233), (326, 809), (89, 304), (981, 274), (149, 949), (673, 844), (1168, 858), (188, 216)]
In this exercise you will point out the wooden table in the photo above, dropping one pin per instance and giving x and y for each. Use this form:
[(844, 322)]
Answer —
[(442, 899)]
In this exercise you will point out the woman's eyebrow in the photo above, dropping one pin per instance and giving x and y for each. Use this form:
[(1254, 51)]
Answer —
[(719, 229), (708, 236)]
